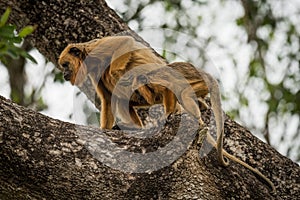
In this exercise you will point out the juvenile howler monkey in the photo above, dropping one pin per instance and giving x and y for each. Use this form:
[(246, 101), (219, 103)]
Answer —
[(181, 82), (105, 60)]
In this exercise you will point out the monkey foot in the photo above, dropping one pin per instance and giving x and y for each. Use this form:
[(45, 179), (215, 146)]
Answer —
[(122, 126)]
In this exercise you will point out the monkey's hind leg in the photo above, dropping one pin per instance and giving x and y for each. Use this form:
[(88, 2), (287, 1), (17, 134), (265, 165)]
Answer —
[(169, 102), (190, 104), (107, 118), (128, 115), (202, 104)]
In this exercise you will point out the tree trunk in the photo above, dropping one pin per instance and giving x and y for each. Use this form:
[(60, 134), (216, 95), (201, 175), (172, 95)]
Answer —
[(17, 77), (45, 158)]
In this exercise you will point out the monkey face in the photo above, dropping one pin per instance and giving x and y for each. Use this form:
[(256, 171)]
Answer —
[(72, 65)]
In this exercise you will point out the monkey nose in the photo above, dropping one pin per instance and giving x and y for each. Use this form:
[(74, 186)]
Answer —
[(66, 71)]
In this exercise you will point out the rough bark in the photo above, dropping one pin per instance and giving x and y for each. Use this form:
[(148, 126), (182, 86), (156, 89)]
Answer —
[(45, 158)]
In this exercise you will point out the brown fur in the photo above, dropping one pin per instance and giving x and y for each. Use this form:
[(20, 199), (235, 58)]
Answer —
[(178, 81), (105, 61), (182, 82), (122, 68)]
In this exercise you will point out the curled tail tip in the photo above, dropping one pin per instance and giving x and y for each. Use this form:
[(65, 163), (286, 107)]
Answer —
[(273, 189), (224, 161), (271, 185)]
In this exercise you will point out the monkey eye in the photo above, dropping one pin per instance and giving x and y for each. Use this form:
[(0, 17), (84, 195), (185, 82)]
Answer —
[(65, 65), (75, 52)]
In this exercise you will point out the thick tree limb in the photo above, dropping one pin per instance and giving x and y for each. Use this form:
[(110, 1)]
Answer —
[(45, 158)]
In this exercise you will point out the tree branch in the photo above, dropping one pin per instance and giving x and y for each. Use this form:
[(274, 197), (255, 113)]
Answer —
[(45, 158)]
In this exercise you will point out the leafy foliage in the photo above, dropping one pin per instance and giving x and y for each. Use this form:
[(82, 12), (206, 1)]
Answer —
[(9, 38)]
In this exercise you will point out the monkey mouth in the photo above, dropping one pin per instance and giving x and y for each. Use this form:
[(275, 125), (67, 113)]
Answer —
[(67, 76)]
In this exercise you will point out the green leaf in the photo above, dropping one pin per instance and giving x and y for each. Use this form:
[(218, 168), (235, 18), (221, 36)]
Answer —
[(7, 31), (240, 21), (3, 47), (4, 17), (164, 53), (26, 31), (17, 40), (244, 101), (28, 56), (41, 104), (12, 53), (59, 77)]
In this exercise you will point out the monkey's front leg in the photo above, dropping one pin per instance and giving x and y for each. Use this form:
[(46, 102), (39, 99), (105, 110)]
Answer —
[(106, 117), (127, 114)]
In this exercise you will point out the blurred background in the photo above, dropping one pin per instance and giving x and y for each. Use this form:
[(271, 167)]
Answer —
[(251, 47)]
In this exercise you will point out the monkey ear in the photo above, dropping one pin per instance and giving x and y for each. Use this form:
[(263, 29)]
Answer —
[(78, 53), (142, 79)]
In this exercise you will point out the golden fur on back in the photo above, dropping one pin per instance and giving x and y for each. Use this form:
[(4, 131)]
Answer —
[(105, 61)]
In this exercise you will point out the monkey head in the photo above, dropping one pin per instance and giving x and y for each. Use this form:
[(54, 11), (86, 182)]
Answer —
[(71, 62)]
